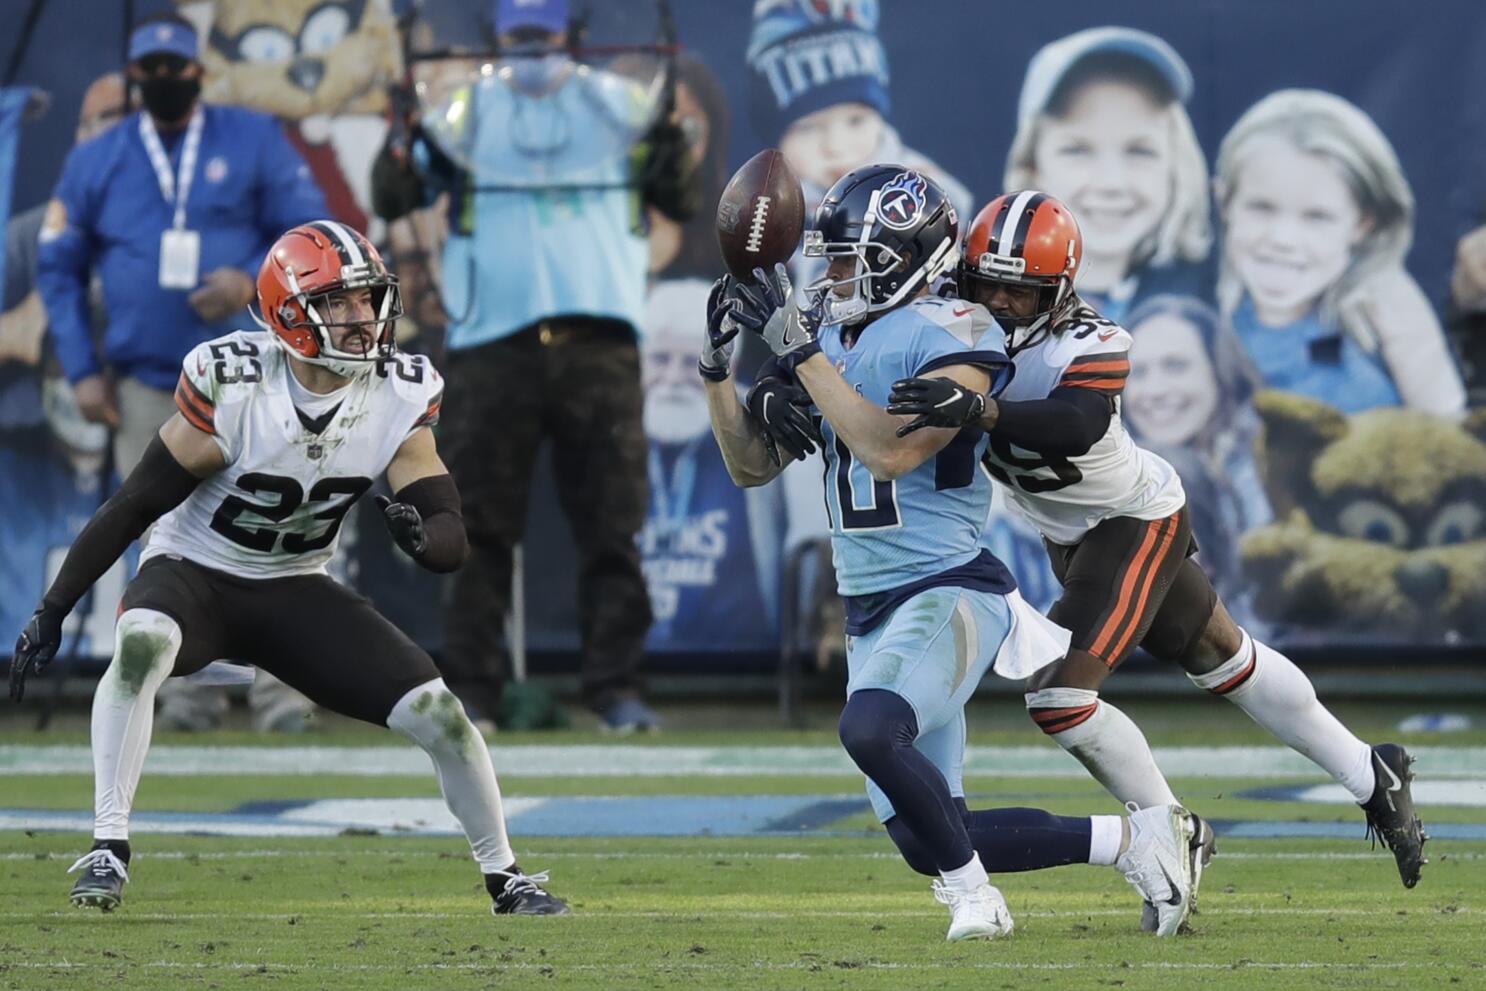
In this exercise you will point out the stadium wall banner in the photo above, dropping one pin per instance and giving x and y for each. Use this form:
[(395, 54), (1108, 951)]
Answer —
[(1275, 220)]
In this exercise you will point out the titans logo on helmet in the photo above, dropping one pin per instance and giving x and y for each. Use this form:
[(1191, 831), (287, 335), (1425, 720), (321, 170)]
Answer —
[(901, 203)]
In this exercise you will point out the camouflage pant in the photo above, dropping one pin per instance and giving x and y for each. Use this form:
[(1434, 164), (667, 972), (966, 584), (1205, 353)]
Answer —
[(575, 381)]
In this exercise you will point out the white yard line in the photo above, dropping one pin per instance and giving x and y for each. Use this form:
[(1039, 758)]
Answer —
[(630, 760), (395, 853)]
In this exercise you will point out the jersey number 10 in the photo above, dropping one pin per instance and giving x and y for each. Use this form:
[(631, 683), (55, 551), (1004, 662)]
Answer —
[(954, 468)]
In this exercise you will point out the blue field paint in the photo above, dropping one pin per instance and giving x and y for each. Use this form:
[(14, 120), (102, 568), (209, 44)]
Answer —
[(599, 816), (1292, 830)]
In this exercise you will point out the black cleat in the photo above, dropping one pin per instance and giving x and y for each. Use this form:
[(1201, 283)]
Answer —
[(523, 894), (1204, 846), (102, 883), (1390, 811)]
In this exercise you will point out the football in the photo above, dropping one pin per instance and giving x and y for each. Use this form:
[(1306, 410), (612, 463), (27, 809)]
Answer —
[(761, 215)]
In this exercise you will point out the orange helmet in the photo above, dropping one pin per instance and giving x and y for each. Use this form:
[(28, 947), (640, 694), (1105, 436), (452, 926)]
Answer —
[(305, 266), (1024, 238)]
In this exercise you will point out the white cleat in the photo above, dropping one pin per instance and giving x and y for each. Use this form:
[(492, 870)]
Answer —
[(1158, 863), (978, 914)]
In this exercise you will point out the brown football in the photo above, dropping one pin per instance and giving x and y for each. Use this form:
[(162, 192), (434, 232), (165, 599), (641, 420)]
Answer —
[(761, 215)]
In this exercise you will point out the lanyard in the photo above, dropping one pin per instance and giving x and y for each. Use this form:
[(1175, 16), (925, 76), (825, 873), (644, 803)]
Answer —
[(173, 191), (672, 499)]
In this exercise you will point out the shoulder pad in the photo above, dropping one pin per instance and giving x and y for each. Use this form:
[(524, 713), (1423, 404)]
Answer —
[(1085, 331), (967, 321), (214, 370), (415, 382)]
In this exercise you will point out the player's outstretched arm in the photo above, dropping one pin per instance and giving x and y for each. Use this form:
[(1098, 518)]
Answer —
[(743, 442), (871, 432), (744, 445), (1068, 422), (172, 466), (425, 516)]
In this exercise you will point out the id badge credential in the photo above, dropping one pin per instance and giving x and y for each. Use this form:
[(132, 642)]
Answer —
[(180, 259)]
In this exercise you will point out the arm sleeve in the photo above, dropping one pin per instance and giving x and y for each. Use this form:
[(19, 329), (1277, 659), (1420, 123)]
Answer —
[(287, 193), (63, 261), (437, 500), (1068, 422), (157, 485)]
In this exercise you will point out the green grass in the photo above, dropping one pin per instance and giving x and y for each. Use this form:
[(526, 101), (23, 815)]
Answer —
[(694, 914), (718, 913)]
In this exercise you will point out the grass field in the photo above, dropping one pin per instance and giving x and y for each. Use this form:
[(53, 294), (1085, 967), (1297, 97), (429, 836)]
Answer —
[(825, 905)]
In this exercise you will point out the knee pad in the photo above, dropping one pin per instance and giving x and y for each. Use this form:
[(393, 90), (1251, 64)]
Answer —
[(145, 644), (1055, 710)]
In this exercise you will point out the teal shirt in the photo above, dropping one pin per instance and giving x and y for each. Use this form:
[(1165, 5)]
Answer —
[(536, 249), (1316, 360)]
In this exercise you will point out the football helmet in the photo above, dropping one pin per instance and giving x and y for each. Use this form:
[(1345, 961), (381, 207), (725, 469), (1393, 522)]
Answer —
[(1023, 239), (302, 270), (899, 226)]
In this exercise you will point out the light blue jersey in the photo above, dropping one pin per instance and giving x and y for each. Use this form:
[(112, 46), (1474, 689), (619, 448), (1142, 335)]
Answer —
[(549, 223), (887, 535)]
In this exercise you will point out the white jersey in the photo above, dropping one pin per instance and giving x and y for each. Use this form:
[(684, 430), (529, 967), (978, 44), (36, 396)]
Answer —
[(1065, 497), (276, 508)]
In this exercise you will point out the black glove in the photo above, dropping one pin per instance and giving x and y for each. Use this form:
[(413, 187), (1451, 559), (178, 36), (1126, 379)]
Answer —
[(937, 402), (781, 408), (768, 309), (33, 651), (716, 362), (405, 525)]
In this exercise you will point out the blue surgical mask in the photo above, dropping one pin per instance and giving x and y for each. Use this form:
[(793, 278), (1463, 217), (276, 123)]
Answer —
[(538, 74)]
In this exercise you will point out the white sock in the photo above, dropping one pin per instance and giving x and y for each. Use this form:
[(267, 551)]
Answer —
[(433, 717), (1104, 740), (145, 645), (1278, 696), (1106, 833), (966, 878)]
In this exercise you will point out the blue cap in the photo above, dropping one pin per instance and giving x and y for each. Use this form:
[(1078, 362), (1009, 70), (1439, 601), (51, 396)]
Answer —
[(512, 15), (1055, 60), (162, 38)]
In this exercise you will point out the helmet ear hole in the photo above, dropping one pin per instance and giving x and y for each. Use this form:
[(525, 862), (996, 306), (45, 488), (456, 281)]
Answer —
[(286, 315)]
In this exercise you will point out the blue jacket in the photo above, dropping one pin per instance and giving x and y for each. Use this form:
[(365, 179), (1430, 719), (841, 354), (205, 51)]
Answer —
[(250, 186)]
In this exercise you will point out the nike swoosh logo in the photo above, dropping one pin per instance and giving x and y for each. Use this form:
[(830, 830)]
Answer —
[(1397, 784), (764, 411), (1176, 895), (952, 399), (961, 313), (1107, 334)]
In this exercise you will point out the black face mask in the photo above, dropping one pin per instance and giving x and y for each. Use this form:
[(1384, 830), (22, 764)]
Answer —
[(168, 98)]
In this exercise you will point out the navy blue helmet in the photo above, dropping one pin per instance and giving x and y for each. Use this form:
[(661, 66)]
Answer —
[(898, 224)]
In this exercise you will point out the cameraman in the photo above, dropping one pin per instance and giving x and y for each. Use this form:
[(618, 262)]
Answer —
[(545, 286)]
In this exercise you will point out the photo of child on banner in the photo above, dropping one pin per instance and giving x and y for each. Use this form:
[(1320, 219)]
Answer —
[(1317, 219), (1102, 125), (819, 92), (1189, 399)]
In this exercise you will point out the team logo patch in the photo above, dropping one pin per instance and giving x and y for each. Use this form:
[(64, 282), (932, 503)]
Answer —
[(216, 169), (902, 201)]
